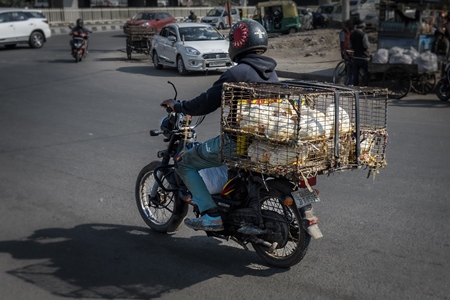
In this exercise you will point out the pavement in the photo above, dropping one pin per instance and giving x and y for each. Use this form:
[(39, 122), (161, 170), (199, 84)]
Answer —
[(314, 71)]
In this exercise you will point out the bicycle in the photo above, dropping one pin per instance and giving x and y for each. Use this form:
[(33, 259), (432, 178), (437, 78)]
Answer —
[(342, 73)]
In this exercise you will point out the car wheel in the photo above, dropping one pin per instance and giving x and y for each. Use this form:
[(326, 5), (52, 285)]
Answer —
[(36, 40), (220, 27), (156, 63), (180, 66), (292, 30), (10, 46)]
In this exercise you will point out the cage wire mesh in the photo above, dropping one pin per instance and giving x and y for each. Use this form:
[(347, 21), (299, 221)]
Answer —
[(300, 130)]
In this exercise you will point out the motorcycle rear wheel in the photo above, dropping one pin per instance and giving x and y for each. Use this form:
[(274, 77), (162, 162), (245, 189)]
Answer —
[(443, 91), (78, 57), (293, 249), (157, 213)]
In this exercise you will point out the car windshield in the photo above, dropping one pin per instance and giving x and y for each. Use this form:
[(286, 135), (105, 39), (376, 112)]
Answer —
[(144, 16), (214, 13), (190, 34)]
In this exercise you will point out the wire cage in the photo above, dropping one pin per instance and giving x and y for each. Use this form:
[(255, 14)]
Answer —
[(301, 129)]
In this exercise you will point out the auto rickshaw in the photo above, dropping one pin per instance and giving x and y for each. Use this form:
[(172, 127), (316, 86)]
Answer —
[(278, 16)]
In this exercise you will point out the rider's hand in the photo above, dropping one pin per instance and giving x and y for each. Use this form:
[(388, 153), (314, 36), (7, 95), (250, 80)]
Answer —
[(169, 103)]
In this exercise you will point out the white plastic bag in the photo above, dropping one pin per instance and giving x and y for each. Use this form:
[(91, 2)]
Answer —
[(215, 178), (400, 59), (381, 56), (426, 62)]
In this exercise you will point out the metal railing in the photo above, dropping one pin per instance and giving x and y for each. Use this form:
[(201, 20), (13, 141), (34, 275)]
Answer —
[(58, 16)]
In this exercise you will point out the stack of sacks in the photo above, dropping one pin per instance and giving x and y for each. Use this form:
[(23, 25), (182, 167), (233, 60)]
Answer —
[(398, 55), (381, 56), (427, 62)]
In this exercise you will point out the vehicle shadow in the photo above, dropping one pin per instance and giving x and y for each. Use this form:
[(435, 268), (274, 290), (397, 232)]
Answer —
[(165, 72), (114, 261)]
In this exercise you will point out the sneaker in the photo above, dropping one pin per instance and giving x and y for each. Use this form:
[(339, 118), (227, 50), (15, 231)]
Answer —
[(205, 222)]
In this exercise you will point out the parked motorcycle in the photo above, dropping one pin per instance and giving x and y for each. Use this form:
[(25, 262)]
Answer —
[(274, 215), (79, 45), (443, 85)]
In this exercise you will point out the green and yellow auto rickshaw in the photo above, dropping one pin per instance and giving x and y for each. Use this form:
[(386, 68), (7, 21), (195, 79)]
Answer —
[(278, 16)]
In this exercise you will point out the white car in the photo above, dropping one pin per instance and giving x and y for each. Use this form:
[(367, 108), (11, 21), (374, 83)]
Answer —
[(23, 26), (190, 47)]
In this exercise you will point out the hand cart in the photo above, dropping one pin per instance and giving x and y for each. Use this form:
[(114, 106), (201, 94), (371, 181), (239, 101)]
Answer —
[(139, 40)]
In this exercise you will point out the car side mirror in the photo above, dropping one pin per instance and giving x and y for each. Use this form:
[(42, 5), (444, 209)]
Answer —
[(172, 38)]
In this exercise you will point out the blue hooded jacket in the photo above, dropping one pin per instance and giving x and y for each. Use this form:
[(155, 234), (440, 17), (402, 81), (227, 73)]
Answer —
[(251, 68)]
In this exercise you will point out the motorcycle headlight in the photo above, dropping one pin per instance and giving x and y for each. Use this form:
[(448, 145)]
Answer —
[(192, 51)]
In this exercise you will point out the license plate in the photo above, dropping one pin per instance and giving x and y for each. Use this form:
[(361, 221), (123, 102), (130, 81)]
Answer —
[(217, 64), (303, 197)]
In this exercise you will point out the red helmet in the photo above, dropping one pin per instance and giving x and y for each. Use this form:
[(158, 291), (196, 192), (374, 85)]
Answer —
[(247, 36)]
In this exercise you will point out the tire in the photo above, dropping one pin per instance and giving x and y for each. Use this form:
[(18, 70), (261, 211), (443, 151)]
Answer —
[(157, 213), (36, 40), (220, 27), (156, 63), (340, 73), (78, 57), (292, 30), (443, 90), (292, 244), (424, 83), (180, 66), (398, 82), (128, 48)]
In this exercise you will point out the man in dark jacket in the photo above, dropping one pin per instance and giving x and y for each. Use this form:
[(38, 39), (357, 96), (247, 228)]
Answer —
[(248, 40), (359, 43), (80, 29)]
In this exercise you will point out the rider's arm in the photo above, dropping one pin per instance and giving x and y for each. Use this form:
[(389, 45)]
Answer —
[(206, 102)]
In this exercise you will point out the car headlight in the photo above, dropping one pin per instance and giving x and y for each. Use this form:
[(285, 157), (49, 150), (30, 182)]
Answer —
[(144, 24), (192, 51)]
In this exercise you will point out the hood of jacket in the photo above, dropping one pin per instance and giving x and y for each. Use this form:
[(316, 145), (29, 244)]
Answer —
[(263, 65)]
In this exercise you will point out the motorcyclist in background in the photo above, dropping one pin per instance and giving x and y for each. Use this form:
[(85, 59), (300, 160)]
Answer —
[(80, 29), (192, 16)]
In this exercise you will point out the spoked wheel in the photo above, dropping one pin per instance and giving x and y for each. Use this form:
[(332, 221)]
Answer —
[(397, 81), (158, 211), (424, 83), (340, 73), (443, 90), (128, 47), (284, 226)]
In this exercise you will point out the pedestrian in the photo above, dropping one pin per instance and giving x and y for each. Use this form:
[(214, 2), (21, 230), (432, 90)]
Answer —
[(344, 38), (248, 41), (359, 43)]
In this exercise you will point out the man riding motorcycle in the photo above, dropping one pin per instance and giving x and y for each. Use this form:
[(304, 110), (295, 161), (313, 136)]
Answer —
[(248, 41), (80, 29)]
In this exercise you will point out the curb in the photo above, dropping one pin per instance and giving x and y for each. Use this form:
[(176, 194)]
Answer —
[(93, 28)]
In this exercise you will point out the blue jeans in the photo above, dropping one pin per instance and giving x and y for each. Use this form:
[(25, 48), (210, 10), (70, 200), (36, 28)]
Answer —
[(202, 156)]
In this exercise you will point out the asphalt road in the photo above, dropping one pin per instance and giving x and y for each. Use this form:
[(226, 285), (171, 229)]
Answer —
[(73, 138)]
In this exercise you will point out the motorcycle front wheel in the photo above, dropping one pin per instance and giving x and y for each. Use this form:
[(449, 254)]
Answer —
[(443, 90), (78, 57), (292, 246), (158, 212)]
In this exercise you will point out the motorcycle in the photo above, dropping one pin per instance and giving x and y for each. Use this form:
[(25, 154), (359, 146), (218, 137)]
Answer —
[(79, 45), (443, 85), (274, 215)]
